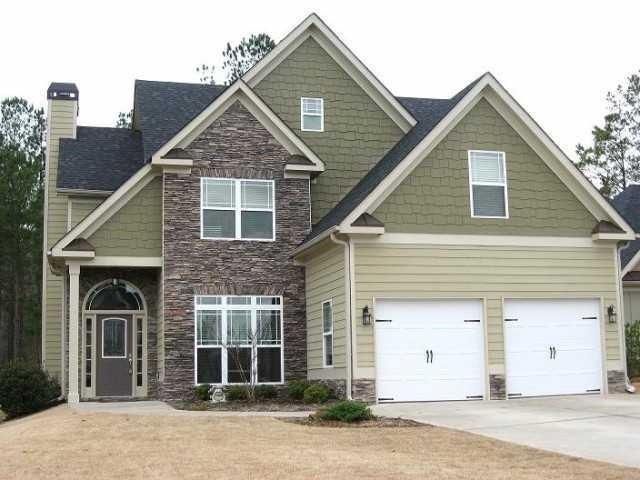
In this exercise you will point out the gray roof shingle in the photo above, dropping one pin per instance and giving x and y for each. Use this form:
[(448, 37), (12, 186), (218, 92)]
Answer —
[(627, 203)]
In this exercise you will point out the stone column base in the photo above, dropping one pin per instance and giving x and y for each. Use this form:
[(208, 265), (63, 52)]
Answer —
[(364, 390), (497, 387), (616, 380)]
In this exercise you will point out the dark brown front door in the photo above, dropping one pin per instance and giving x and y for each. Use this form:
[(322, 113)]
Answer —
[(113, 369)]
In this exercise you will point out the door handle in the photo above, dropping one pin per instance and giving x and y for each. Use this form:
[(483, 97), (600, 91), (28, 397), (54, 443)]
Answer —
[(550, 353), (130, 364), (554, 353), (431, 351), (429, 354)]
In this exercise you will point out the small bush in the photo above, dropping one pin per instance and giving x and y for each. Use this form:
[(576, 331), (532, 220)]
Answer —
[(236, 393), (202, 392), (25, 388), (346, 411), (632, 332), (265, 392), (316, 393), (296, 389)]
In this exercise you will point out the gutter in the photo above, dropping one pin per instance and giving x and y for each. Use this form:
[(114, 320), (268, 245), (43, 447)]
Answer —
[(348, 309), (623, 341)]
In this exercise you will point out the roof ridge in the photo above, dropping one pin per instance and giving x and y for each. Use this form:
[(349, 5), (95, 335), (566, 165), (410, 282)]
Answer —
[(195, 84)]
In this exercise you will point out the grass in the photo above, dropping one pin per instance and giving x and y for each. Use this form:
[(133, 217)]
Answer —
[(63, 443)]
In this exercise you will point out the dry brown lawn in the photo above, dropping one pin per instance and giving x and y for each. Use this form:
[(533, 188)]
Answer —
[(62, 443)]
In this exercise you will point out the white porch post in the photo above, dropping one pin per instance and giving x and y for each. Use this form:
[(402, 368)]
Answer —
[(74, 307)]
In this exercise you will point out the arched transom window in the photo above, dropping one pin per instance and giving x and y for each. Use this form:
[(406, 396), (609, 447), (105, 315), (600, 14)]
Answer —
[(115, 295)]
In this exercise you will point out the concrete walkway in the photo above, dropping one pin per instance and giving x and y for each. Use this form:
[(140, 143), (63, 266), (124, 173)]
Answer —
[(157, 408), (605, 428)]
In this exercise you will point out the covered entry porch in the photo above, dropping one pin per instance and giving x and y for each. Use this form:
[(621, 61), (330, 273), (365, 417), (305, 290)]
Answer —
[(112, 328)]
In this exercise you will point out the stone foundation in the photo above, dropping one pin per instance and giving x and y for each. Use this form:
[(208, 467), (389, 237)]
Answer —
[(497, 387), (616, 380), (337, 387), (364, 390)]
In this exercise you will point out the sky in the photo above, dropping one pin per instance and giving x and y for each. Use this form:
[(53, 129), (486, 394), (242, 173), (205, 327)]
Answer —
[(557, 58)]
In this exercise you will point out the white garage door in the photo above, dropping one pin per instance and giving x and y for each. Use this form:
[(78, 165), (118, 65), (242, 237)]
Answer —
[(552, 347), (429, 350)]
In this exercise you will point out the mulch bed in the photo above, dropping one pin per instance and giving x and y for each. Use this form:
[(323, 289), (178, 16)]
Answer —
[(244, 406), (378, 422)]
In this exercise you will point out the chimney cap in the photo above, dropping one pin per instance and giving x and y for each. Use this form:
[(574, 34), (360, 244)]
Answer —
[(62, 91)]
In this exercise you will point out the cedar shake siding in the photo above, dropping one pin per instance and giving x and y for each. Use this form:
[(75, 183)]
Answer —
[(235, 145)]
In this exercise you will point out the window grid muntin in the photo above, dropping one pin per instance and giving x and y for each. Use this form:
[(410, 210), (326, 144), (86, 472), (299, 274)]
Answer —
[(224, 306), (237, 208), (503, 183), (305, 102)]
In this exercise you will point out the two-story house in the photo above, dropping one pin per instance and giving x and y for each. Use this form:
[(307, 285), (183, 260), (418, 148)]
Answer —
[(304, 222)]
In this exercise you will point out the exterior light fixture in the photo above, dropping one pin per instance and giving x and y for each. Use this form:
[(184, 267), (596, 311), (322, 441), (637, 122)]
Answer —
[(366, 316), (611, 314)]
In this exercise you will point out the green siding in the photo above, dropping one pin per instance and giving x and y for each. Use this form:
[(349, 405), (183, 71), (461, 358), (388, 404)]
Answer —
[(434, 198), (356, 134), (490, 273), (81, 207), (325, 280), (136, 229)]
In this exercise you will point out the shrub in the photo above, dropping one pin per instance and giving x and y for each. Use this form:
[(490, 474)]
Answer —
[(296, 389), (346, 411), (265, 392), (632, 332), (202, 392), (25, 388), (236, 393), (316, 393)]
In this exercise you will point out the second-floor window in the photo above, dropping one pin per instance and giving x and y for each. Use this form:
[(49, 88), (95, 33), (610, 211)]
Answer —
[(235, 209), (312, 114), (488, 184), (327, 333)]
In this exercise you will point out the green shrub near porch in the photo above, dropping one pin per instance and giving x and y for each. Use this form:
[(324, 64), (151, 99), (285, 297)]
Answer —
[(25, 388), (632, 332)]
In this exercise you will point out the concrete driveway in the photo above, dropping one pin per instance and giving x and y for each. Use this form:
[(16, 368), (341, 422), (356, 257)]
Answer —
[(605, 428)]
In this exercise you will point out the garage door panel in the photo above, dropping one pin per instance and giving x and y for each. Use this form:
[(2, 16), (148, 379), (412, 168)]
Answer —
[(429, 350), (552, 346)]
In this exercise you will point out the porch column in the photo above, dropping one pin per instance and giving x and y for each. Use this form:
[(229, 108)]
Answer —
[(74, 307)]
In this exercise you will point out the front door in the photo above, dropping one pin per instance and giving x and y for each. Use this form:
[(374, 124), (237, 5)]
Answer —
[(114, 366)]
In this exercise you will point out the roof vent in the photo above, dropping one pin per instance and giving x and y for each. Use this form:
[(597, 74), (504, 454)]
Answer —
[(62, 91)]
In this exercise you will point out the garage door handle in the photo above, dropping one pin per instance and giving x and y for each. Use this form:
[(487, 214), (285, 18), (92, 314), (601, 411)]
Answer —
[(554, 353), (429, 354)]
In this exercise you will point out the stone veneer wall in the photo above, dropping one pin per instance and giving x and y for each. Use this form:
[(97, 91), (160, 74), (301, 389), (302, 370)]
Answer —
[(147, 281), (616, 380), (497, 387), (364, 389), (235, 145)]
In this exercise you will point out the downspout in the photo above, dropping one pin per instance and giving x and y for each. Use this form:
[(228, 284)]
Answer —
[(348, 319), (623, 341)]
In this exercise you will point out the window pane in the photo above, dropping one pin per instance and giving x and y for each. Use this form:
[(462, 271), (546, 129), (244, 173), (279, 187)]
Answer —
[(268, 300), (269, 366), (312, 105), (239, 327), (115, 297), (268, 327), (488, 201), (327, 314), (312, 122), (113, 338), (257, 225), (209, 363), (487, 167), (328, 349), (239, 300), (209, 300), (209, 328), (218, 193), (239, 365), (219, 223), (257, 194)]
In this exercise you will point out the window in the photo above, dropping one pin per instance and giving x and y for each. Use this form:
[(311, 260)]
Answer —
[(312, 114), (238, 338), (237, 209), (488, 184), (114, 338), (327, 333), (115, 295)]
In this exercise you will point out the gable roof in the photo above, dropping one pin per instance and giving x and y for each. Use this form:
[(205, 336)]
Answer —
[(429, 112), (99, 159), (313, 26), (409, 151), (627, 203)]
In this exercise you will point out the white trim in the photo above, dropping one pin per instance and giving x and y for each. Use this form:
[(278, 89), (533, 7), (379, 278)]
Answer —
[(325, 334), (489, 88), (630, 266), (109, 261), (478, 240), (238, 209), (323, 236), (73, 395), (106, 209), (126, 332), (86, 193), (174, 162), (239, 91), (613, 236), (77, 254), (502, 184), (313, 26), (225, 307), (303, 114)]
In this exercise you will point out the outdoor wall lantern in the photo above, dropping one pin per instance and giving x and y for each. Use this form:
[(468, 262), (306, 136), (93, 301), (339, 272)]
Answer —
[(366, 316), (611, 313)]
